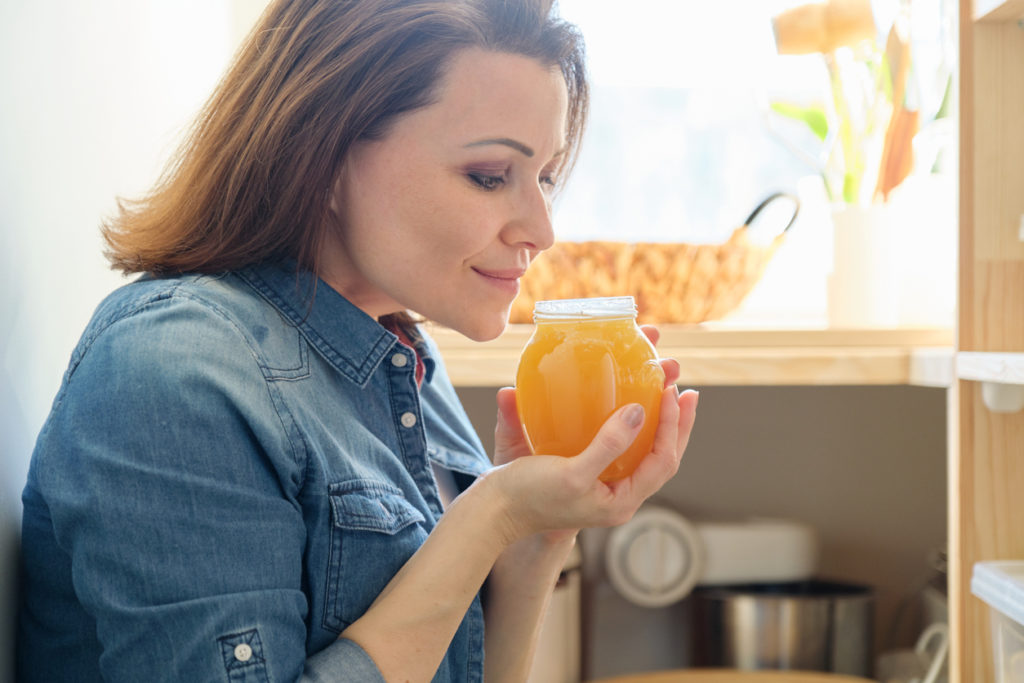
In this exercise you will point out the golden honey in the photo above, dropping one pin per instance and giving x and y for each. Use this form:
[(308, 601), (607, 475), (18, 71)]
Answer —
[(585, 360)]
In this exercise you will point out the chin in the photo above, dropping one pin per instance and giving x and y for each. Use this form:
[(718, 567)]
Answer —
[(483, 329)]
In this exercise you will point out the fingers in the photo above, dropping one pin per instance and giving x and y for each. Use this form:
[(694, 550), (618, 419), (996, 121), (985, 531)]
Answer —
[(662, 462), (666, 438), (558, 493), (670, 366), (652, 333), (614, 437), (687, 415), (509, 439), (508, 414), (678, 413)]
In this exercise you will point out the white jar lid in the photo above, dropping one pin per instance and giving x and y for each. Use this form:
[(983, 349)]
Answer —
[(595, 307)]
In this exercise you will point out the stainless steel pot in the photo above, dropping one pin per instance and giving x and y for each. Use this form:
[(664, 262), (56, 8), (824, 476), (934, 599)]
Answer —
[(808, 625)]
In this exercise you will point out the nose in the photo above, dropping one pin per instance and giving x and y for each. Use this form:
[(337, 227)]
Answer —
[(531, 225)]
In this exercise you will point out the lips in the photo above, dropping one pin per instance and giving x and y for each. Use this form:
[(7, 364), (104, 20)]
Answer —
[(501, 273), (505, 279)]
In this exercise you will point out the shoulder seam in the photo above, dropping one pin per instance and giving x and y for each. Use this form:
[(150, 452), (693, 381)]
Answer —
[(177, 291)]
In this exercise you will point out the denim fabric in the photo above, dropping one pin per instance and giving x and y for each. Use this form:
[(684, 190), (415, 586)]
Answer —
[(228, 477)]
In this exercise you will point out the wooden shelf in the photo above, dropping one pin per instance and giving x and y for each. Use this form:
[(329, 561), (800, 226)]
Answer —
[(998, 10), (717, 356)]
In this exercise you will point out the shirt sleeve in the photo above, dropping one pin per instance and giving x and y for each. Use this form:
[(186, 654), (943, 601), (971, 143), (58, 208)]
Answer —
[(173, 487), (344, 660)]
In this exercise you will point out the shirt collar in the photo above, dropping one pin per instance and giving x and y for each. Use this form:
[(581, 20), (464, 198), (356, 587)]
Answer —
[(347, 337), (415, 343)]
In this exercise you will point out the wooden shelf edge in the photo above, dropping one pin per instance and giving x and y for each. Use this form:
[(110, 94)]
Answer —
[(723, 336), (931, 367), (730, 357), (985, 366)]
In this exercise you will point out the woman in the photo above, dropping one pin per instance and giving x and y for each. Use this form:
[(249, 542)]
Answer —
[(256, 468)]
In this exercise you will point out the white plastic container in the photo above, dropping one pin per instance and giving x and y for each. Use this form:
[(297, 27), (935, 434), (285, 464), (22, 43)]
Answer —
[(559, 656), (1001, 586)]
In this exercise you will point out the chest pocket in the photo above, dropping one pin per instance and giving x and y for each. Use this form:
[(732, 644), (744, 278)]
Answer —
[(374, 530)]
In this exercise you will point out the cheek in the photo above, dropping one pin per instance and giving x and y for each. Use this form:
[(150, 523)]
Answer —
[(449, 225), (420, 217)]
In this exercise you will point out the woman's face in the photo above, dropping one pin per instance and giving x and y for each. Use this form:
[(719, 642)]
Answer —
[(444, 214)]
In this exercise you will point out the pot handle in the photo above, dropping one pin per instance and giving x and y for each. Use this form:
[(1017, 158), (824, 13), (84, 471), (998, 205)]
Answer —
[(938, 632), (770, 199)]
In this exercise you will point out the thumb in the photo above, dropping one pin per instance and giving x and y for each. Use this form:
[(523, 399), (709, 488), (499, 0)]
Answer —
[(509, 440), (614, 437)]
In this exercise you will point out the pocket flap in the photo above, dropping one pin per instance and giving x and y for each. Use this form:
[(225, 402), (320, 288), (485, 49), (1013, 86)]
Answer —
[(371, 506)]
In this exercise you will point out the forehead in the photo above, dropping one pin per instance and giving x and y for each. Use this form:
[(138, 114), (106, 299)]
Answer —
[(484, 93)]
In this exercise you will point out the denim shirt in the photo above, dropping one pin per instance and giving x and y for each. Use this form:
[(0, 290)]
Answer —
[(229, 476)]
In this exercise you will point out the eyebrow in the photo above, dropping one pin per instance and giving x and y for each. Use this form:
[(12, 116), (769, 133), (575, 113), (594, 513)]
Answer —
[(508, 142)]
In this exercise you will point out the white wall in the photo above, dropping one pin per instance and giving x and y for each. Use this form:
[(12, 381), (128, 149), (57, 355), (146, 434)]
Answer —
[(94, 97)]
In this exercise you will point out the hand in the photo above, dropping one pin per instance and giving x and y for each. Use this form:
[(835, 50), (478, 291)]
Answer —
[(546, 493), (509, 439), (669, 365)]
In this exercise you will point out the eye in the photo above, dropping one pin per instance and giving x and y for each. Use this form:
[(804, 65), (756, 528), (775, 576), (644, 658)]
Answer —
[(549, 175), (486, 181)]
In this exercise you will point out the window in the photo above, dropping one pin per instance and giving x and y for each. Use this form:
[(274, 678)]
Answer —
[(683, 141)]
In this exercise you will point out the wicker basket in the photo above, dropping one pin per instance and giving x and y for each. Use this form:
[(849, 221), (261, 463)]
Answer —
[(672, 282)]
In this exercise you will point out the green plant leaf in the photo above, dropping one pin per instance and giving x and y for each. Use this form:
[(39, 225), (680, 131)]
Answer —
[(947, 96), (813, 116), (851, 188), (884, 80)]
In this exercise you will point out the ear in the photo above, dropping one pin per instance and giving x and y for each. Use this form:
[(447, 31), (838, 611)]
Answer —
[(339, 190)]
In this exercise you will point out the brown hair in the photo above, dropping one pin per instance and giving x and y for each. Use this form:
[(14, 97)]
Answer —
[(252, 181)]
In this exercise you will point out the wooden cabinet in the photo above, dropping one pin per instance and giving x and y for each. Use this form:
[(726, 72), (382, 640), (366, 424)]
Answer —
[(986, 505)]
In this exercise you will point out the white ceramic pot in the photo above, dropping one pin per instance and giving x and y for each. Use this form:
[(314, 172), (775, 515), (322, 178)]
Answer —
[(864, 289)]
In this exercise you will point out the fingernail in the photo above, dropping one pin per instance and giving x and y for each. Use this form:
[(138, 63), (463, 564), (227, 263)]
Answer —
[(633, 415)]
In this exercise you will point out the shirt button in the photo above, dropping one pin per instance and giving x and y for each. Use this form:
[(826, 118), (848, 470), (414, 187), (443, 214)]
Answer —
[(399, 360), (408, 419), (243, 652)]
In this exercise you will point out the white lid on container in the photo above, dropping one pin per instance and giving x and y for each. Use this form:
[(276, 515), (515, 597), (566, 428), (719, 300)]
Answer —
[(654, 559), (1001, 585)]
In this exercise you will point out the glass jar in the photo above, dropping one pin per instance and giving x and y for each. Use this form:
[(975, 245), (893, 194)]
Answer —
[(585, 360)]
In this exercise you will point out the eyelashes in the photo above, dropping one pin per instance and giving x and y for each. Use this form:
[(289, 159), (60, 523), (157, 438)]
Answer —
[(494, 181), (487, 181)]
